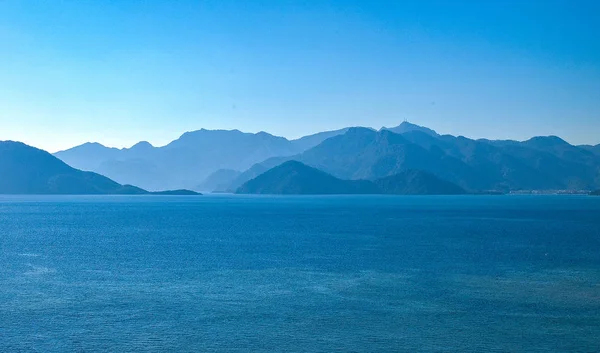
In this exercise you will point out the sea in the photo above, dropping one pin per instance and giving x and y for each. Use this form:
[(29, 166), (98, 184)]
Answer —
[(226, 273)]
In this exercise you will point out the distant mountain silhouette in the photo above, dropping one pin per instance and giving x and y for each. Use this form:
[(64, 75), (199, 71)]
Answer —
[(88, 156), (293, 177), (553, 164), (28, 170), (594, 149), (541, 163), (417, 182), (362, 153), (311, 141), (595, 193), (185, 162), (219, 180), (408, 127), (557, 146), (252, 173), (200, 159)]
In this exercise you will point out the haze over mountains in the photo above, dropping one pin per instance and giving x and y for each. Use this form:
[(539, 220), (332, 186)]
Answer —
[(28, 170), (541, 163), (225, 160), (187, 161)]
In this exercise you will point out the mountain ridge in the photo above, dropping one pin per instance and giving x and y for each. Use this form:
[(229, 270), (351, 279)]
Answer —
[(29, 170), (476, 165), (295, 178), (187, 160), (539, 163), (406, 126)]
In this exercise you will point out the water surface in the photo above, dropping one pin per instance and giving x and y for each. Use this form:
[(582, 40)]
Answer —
[(347, 273)]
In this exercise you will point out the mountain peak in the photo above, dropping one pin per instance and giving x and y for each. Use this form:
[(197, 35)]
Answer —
[(293, 177), (265, 135), (407, 127), (546, 141), (91, 145), (142, 144), (359, 130)]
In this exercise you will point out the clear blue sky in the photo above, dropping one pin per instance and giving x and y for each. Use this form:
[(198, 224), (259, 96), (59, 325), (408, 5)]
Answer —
[(118, 72)]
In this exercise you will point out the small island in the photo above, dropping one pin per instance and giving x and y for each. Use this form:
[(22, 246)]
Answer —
[(179, 192)]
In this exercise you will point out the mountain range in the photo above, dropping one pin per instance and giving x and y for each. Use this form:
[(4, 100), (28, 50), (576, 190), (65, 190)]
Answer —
[(28, 170), (541, 163), (293, 177), (222, 160), (187, 161)]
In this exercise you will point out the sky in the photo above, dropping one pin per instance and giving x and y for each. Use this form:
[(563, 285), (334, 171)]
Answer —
[(118, 72)]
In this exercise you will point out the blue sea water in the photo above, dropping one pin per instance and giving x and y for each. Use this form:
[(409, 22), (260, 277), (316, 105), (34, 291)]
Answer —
[(300, 274)]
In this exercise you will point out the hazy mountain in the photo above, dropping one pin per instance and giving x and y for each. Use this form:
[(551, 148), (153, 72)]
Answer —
[(366, 154), (595, 193), (252, 173), (310, 141), (417, 182), (28, 170), (500, 168), (88, 156), (560, 148), (408, 127), (144, 172), (184, 162), (190, 159), (594, 149), (219, 180), (293, 177), (556, 164), (362, 153), (140, 149), (541, 163)]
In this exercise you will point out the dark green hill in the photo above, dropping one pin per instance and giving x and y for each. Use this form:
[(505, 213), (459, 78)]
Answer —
[(28, 170)]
